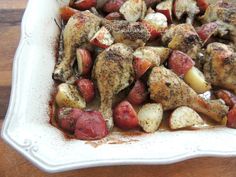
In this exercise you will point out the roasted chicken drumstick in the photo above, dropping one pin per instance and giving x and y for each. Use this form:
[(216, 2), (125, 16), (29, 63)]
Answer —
[(113, 71), (220, 68), (168, 89), (79, 30)]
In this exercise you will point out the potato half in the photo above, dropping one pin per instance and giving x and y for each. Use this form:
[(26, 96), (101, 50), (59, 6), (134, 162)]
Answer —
[(195, 79), (185, 117), (150, 116), (68, 96)]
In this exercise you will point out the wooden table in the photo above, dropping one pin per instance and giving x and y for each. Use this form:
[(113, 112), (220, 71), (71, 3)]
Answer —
[(13, 164)]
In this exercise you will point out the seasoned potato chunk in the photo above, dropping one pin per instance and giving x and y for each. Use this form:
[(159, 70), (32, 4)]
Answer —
[(68, 96), (150, 116)]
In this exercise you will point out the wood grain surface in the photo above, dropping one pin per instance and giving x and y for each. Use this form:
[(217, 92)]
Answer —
[(13, 164)]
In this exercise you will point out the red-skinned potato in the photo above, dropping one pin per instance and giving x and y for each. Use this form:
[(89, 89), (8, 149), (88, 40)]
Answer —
[(165, 7), (133, 10), (67, 12), (228, 97), (206, 31), (84, 61), (151, 2), (113, 5), (188, 7), (67, 118), (90, 125), (141, 66), (138, 94), (231, 121), (125, 116), (86, 88), (148, 53), (84, 4), (202, 4), (102, 38), (180, 63), (156, 55), (114, 16), (156, 23)]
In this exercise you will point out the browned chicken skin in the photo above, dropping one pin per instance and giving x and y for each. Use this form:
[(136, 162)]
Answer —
[(168, 89), (220, 68), (224, 14), (79, 30), (134, 34), (113, 71), (183, 37)]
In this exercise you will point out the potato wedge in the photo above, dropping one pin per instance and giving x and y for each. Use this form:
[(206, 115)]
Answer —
[(132, 10), (150, 116), (68, 96), (185, 117), (195, 79)]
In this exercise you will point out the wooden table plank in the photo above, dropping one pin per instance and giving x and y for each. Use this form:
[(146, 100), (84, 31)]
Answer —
[(13, 4), (12, 164)]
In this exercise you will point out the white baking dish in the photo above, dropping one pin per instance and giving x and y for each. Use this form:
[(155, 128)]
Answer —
[(27, 127)]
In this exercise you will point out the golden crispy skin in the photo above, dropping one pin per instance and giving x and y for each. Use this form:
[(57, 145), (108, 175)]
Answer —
[(224, 14), (183, 37), (113, 71), (133, 34), (168, 89), (220, 68), (79, 30)]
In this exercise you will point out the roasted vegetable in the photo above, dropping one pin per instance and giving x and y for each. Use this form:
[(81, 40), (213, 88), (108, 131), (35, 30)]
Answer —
[(90, 125), (133, 10), (84, 61), (231, 121), (185, 117), (67, 118), (165, 7), (138, 94), (68, 96), (196, 80), (86, 88), (180, 63), (84, 4), (102, 38), (156, 23), (141, 66), (189, 7), (125, 116), (67, 12), (150, 116), (113, 5)]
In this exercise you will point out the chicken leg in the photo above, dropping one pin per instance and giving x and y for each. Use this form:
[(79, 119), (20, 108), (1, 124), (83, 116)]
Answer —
[(220, 68), (169, 90), (79, 30), (113, 71)]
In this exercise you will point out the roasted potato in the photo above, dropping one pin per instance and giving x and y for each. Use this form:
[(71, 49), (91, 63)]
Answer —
[(86, 88), (195, 79), (133, 10), (185, 117), (102, 38), (165, 7), (125, 116), (68, 96), (150, 116), (84, 61), (138, 94), (180, 63)]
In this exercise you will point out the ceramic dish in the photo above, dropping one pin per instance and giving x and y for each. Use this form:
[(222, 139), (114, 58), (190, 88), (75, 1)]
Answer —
[(27, 127)]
